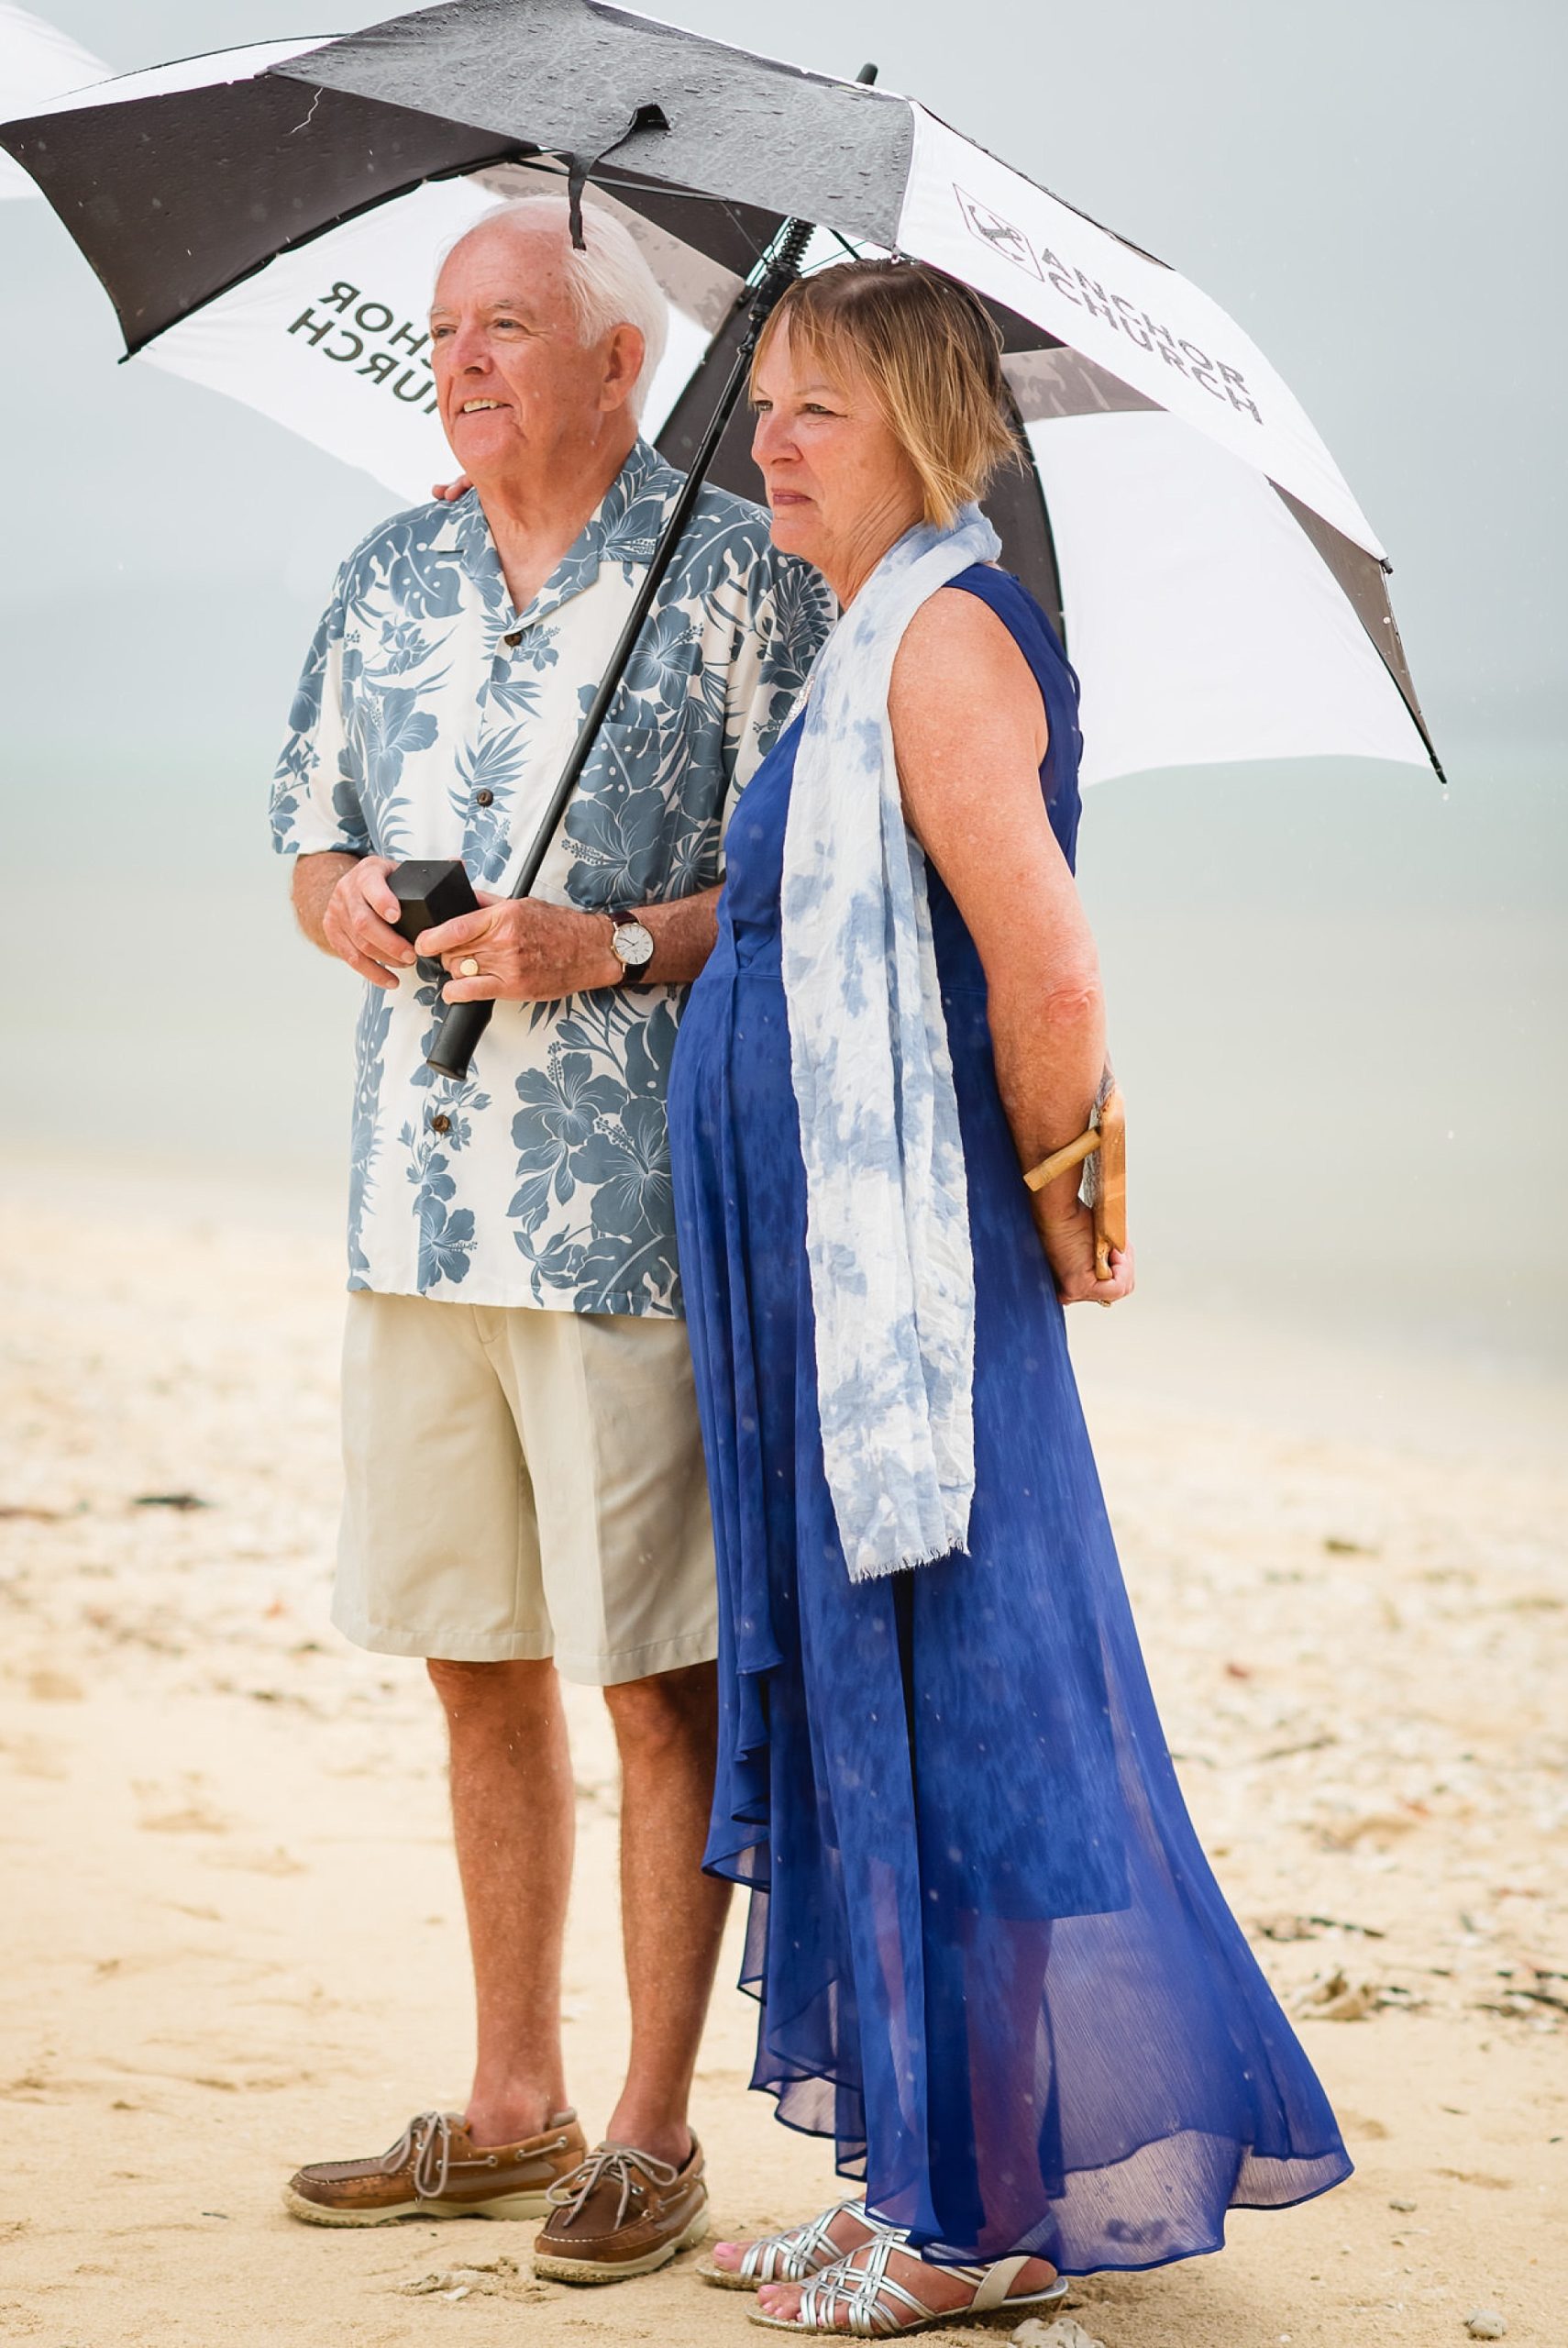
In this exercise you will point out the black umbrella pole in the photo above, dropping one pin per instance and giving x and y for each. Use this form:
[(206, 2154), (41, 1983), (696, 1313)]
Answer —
[(463, 1023)]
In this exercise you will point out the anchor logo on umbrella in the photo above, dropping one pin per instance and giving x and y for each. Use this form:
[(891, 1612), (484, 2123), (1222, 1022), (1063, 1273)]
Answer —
[(999, 234)]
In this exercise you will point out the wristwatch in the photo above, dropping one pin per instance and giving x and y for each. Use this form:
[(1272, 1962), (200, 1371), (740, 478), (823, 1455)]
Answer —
[(632, 945)]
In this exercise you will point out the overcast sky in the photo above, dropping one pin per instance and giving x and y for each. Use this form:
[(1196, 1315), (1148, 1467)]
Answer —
[(1376, 191)]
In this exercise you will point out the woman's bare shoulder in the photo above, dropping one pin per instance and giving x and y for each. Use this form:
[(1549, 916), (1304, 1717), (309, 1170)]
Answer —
[(957, 654)]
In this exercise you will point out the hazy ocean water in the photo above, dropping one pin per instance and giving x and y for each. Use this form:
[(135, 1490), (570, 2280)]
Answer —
[(1336, 1002)]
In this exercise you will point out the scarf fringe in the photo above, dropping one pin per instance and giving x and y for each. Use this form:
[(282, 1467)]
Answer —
[(866, 1569)]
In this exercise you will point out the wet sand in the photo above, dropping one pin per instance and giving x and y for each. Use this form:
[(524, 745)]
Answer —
[(230, 1929)]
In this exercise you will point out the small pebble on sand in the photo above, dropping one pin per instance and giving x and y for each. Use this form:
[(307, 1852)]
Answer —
[(1486, 2323), (1065, 2332)]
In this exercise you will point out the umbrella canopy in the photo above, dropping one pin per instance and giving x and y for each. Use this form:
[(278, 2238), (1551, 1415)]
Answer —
[(266, 219)]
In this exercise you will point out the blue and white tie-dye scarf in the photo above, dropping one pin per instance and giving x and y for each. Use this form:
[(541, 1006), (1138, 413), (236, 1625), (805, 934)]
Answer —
[(887, 1205)]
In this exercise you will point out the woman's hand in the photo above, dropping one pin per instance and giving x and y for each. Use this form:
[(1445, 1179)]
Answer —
[(969, 730), (448, 492), (1069, 1250)]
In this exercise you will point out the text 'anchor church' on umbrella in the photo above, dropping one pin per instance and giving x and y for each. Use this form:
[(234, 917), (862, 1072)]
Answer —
[(340, 317), (1086, 292)]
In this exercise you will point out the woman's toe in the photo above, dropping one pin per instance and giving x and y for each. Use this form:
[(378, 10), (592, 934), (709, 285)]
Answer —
[(728, 2256), (781, 2299)]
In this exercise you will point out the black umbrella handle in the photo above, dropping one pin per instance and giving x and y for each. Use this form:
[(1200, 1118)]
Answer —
[(463, 1023)]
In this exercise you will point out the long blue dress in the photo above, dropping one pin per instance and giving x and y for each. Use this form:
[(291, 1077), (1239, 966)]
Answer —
[(992, 1962)]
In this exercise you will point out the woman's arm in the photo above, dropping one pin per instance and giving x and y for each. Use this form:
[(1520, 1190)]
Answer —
[(970, 733)]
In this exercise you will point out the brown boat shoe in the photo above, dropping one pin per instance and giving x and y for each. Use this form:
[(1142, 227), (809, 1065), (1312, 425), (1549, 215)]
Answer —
[(622, 2212), (435, 2170)]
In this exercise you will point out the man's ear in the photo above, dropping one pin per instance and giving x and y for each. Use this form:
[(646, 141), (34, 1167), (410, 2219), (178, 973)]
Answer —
[(623, 365)]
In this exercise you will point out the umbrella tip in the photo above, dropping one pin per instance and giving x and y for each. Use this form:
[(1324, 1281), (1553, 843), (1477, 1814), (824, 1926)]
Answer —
[(868, 74)]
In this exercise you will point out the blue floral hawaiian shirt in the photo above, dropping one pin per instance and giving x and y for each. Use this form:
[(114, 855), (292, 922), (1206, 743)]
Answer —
[(432, 720)]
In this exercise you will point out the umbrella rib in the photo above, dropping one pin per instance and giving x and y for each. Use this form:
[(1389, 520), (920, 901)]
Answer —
[(739, 226), (613, 181)]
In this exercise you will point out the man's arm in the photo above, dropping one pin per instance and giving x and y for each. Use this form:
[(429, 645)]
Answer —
[(339, 889), (529, 951)]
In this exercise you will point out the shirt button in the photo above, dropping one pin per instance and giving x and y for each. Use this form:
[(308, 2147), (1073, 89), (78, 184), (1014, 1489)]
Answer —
[(439, 1124), (484, 798), (515, 638)]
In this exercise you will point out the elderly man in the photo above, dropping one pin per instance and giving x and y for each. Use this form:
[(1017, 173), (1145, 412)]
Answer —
[(525, 1491)]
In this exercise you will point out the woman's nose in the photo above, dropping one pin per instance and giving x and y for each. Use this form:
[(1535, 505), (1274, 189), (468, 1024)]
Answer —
[(770, 440)]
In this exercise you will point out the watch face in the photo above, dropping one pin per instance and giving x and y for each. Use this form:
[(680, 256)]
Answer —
[(633, 944)]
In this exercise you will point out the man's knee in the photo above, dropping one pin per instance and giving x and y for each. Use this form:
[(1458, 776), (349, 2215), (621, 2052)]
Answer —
[(669, 1713), (509, 1691)]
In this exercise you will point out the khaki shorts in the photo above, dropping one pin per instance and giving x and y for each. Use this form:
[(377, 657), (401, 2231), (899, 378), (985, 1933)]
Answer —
[(523, 1483)]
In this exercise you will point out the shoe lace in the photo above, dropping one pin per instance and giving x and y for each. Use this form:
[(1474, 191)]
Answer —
[(613, 2164), (425, 2146)]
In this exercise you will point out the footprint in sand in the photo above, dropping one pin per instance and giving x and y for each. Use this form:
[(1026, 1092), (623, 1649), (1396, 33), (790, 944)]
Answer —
[(183, 1810), (274, 1862), (47, 1686), (191, 1818), (30, 1757)]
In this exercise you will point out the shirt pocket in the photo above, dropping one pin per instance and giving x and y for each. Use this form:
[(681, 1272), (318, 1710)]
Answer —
[(628, 753)]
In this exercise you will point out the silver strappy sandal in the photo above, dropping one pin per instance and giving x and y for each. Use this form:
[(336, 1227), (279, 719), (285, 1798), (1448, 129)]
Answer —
[(797, 2253), (860, 2288)]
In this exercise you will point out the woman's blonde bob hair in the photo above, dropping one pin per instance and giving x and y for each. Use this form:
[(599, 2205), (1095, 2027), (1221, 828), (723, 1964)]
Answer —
[(931, 355)]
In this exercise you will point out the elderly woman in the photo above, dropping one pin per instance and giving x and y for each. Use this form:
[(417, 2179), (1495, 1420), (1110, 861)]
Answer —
[(991, 1961)]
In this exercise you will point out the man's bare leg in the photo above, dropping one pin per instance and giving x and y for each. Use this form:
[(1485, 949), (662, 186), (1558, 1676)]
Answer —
[(672, 1916), (513, 1821)]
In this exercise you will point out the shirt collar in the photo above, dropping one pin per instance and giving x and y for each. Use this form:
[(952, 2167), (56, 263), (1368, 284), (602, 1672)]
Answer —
[(624, 528)]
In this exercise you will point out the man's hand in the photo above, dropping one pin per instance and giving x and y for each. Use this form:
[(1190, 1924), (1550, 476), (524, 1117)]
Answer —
[(524, 951), (345, 907)]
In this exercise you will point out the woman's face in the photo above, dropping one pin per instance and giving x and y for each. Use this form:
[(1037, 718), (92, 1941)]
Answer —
[(841, 486)]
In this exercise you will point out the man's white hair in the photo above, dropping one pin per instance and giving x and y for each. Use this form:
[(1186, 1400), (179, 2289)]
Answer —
[(610, 285)]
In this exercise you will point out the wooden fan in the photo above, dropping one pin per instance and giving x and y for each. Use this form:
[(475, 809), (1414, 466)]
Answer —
[(1106, 1139)]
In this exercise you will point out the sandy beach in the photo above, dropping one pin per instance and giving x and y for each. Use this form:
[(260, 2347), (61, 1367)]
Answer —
[(230, 1927)]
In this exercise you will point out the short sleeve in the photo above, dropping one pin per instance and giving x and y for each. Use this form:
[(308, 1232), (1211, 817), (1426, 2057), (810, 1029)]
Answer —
[(316, 804)]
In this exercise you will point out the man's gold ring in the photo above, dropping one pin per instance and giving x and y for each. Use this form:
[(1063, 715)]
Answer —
[(467, 967)]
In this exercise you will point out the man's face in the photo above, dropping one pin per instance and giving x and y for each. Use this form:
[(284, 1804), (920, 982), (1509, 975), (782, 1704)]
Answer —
[(517, 388)]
